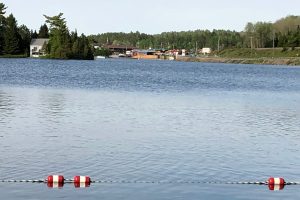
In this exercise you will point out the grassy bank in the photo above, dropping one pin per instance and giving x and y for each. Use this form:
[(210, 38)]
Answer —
[(277, 56)]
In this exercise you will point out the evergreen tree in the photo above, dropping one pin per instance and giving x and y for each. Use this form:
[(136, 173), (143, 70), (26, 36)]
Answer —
[(12, 37), (43, 32), (2, 26), (59, 43), (25, 39)]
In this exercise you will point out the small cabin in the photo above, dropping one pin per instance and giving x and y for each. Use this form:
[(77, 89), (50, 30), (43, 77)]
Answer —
[(37, 47)]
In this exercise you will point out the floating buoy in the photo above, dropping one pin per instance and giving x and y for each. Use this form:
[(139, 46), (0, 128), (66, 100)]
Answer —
[(55, 179), (55, 185), (276, 183), (82, 181)]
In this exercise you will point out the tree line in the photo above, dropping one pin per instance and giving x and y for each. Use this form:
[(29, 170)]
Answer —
[(283, 33)]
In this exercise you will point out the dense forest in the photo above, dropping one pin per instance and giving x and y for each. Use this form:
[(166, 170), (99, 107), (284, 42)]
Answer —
[(284, 33)]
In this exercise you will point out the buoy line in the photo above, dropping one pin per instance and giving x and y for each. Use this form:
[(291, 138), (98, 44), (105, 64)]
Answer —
[(58, 181)]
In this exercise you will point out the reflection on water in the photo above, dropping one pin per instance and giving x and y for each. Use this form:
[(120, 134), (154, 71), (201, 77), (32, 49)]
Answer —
[(52, 107), (6, 107), (6, 104)]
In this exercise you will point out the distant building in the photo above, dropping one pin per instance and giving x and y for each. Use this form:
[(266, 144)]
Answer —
[(36, 47), (97, 46), (117, 49)]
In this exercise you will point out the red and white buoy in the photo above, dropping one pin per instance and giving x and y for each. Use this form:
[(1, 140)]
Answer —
[(276, 183), (82, 181), (55, 179)]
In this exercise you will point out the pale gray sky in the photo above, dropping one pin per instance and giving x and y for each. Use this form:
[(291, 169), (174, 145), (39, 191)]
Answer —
[(99, 16)]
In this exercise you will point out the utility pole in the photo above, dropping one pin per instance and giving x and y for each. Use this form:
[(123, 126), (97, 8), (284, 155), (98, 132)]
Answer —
[(251, 38), (219, 44)]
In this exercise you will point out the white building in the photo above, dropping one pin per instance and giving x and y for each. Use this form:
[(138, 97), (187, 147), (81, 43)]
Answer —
[(36, 47), (206, 50)]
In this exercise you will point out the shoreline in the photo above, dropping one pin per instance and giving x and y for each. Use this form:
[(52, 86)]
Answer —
[(263, 61), (13, 56)]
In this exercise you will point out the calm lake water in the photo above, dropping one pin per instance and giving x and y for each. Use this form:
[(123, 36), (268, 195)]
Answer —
[(132, 120)]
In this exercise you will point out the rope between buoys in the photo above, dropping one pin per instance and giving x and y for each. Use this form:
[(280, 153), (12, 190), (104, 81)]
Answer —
[(149, 182)]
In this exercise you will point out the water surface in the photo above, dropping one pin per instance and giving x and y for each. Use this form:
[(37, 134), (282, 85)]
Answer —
[(124, 120)]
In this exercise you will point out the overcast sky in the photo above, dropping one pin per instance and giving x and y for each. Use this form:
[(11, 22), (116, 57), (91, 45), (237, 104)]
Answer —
[(100, 16)]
